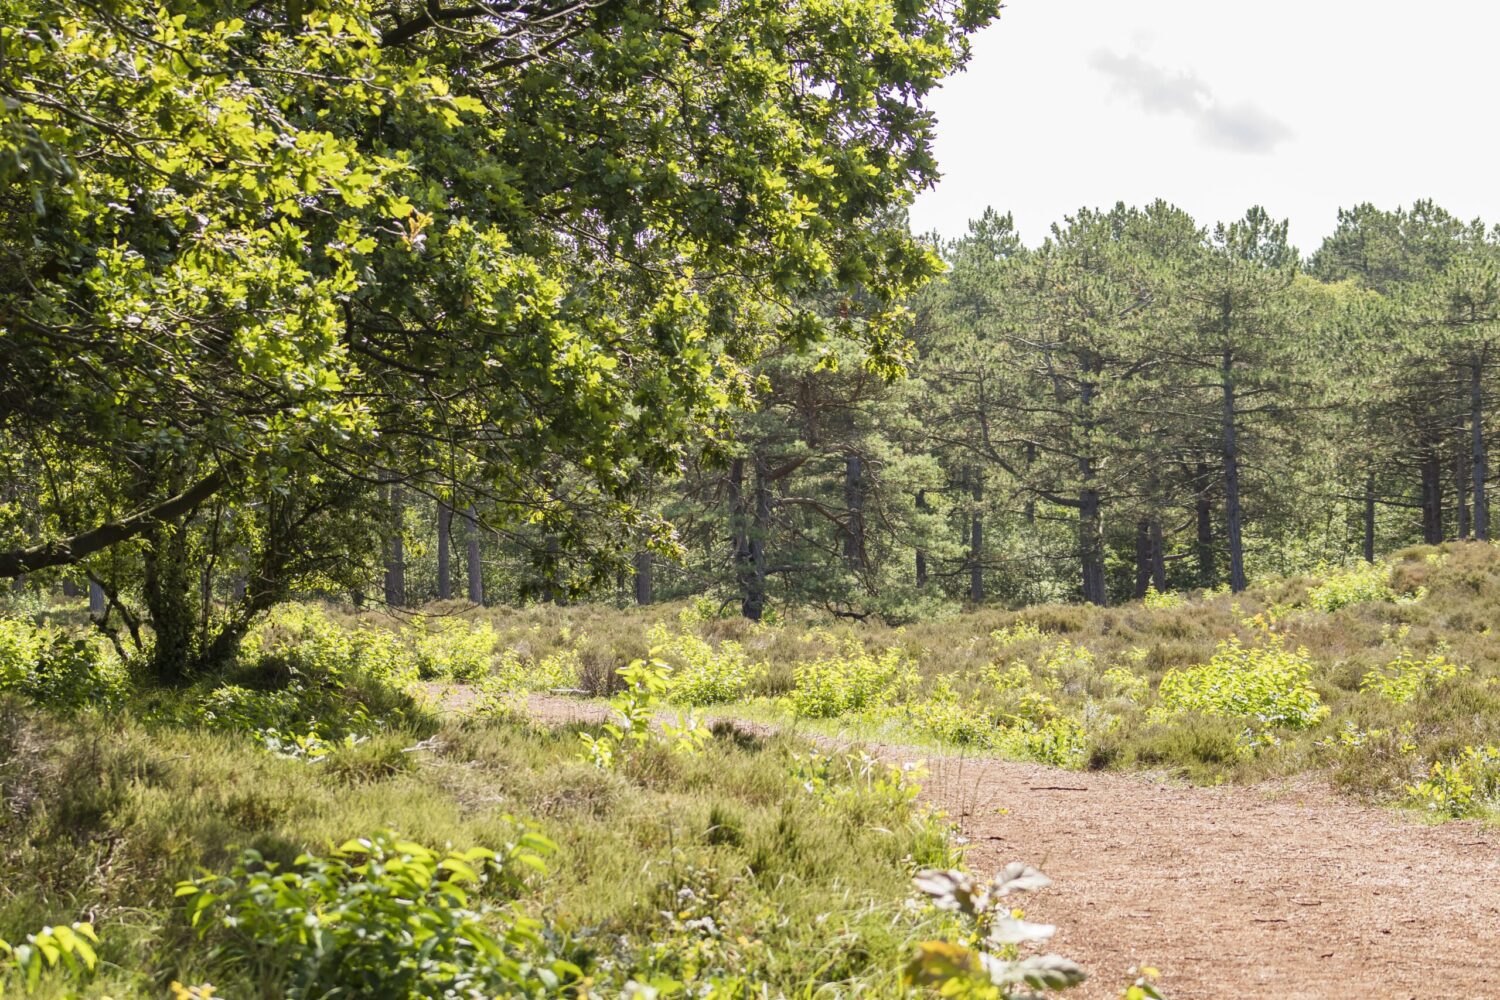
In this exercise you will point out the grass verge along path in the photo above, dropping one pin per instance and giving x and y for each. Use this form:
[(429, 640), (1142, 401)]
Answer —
[(1285, 889)]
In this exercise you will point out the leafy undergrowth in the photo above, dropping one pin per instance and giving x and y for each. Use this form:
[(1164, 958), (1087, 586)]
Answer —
[(1375, 675), (747, 861), (689, 861)]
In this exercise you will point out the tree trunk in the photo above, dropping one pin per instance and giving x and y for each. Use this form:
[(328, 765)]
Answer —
[(854, 503), (1369, 517), (1091, 547), (921, 553), (1461, 486), (1432, 496), (395, 548), (167, 585), (643, 583), (1481, 469), (96, 600), (444, 560), (976, 543), (69, 587), (1203, 546), (1158, 557), (474, 568), (752, 601), (551, 592), (1143, 560), (1232, 514), (760, 530)]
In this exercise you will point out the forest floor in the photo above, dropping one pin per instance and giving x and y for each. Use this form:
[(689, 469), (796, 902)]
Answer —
[(1284, 889)]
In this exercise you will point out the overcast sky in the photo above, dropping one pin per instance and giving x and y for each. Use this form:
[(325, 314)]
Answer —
[(1300, 105)]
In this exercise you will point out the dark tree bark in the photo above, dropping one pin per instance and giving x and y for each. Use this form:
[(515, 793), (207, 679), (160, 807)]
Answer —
[(1481, 462), (854, 503), (760, 530), (1203, 546), (643, 584), (976, 541), (1150, 568), (1158, 557), (1432, 496), (1369, 517), (1091, 547), (69, 551), (395, 547), (1461, 487), (1232, 515), (473, 568), (922, 554), (69, 587), (444, 558), (96, 600), (752, 597), (166, 586)]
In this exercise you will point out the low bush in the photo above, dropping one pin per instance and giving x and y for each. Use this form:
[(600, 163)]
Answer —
[(1406, 677), (381, 917), (849, 681), (451, 648), (1265, 683), (704, 674), (1464, 785), (59, 670), (1354, 585)]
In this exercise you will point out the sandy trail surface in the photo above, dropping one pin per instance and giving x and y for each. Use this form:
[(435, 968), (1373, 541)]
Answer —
[(1286, 890)]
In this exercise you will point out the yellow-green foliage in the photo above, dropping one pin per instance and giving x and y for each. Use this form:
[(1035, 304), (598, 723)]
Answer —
[(303, 639), (511, 672), (57, 669), (703, 673), (1030, 729), (1022, 631), (1464, 785), (1266, 683), (1125, 684), (1354, 585), (850, 680), (451, 647), (56, 947), (1156, 600), (1406, 677)]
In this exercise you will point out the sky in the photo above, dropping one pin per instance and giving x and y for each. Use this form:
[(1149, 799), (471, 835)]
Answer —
[(1303, 106)]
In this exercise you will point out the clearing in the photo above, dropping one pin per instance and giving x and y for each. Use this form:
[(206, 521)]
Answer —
[(1284, 889)]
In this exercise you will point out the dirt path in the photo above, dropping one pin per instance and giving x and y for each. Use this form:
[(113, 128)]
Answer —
[(1269, 892)]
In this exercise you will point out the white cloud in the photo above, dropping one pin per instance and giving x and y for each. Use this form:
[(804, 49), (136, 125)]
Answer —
[(1242, 127), (1343, 102)]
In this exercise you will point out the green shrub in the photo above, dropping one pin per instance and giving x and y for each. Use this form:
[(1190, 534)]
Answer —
[(1406, 677), (381, 917), (70, 948), (1158, 601), (1267, 683), (1355, 585), (849, 681), (1461, 786), (1060, 741), (943, 717), (1020, 632), (302, 640), (452, 648), (57, 670), (703, 674)]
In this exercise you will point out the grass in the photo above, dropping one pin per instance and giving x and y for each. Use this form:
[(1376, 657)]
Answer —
[(798, 888), (752, 859), (1383, 672)]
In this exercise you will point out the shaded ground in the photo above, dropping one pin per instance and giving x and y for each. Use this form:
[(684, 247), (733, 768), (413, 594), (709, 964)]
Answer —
[(1284, 890)]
